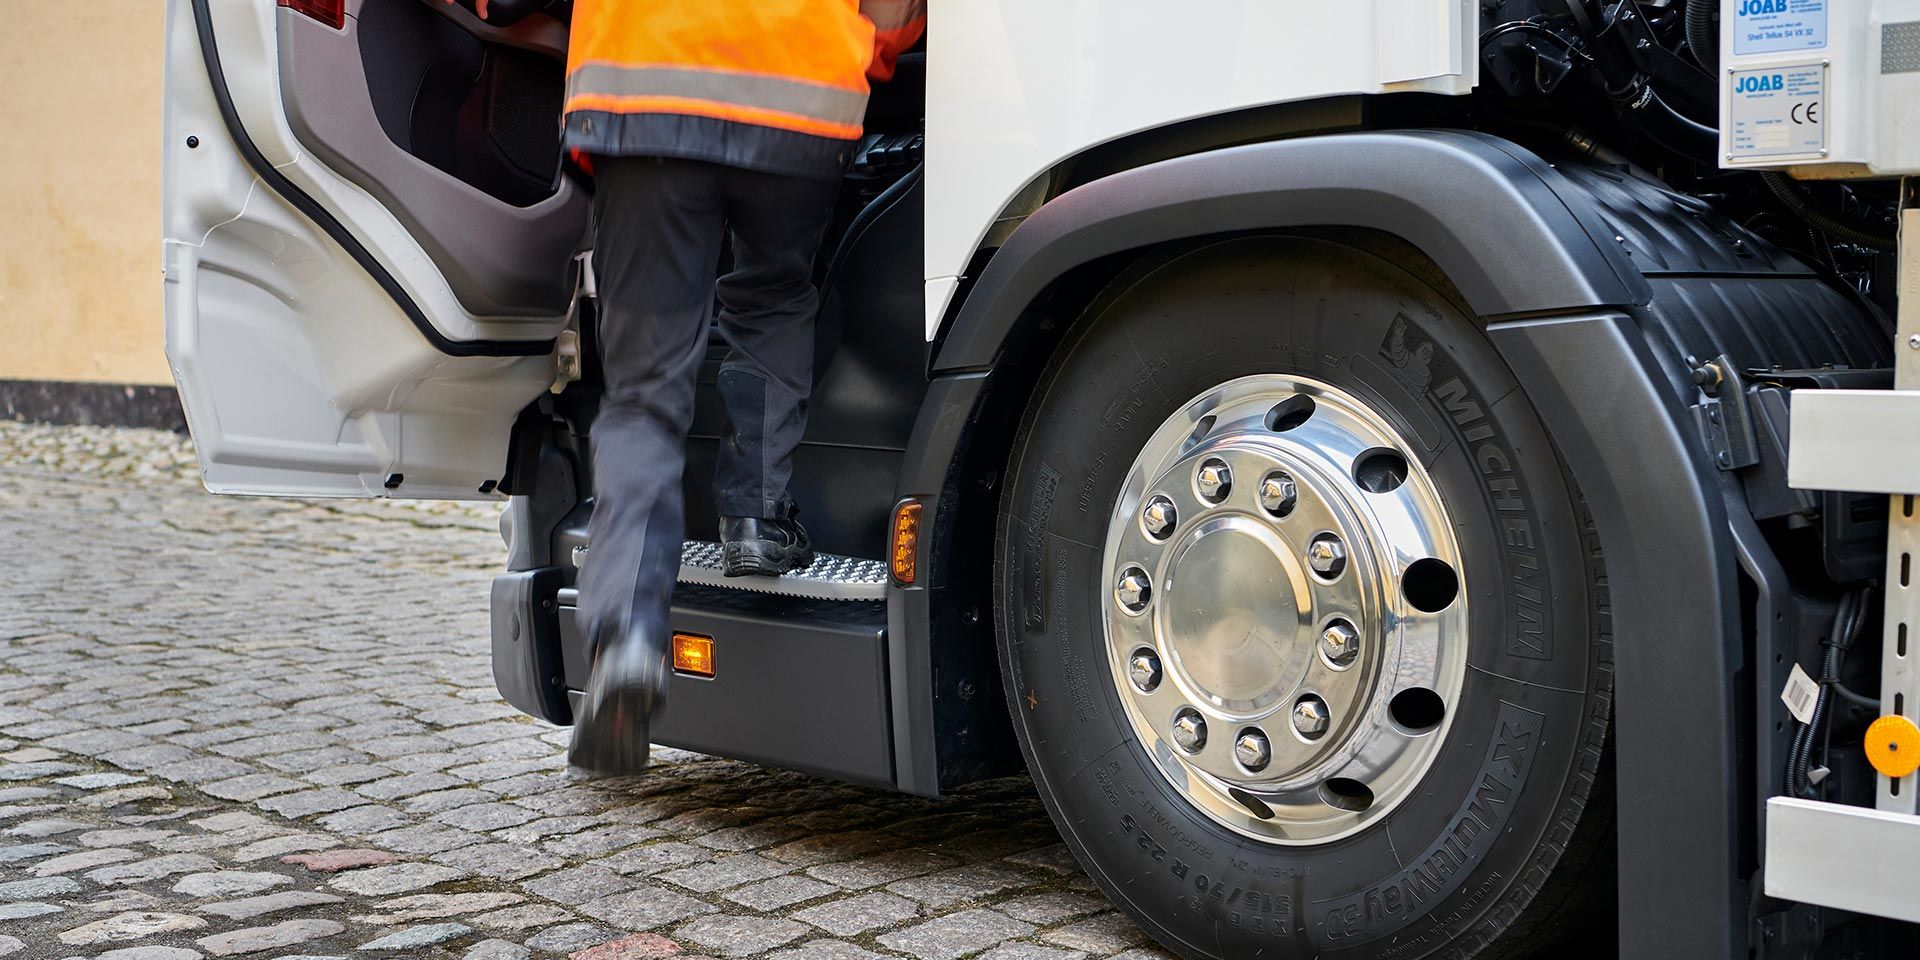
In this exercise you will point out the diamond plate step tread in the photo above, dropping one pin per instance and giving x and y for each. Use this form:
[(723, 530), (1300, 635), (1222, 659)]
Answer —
[(831, 577)]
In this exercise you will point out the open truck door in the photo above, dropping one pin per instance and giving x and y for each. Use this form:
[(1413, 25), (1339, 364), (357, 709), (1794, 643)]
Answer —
[(369, 245)]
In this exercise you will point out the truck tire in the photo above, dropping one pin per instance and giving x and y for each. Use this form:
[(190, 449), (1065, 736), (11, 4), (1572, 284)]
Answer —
[(1303, 624)]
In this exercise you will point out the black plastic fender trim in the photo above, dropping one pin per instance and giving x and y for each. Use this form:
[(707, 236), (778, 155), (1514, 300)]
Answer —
[(331, 225), (1512, 234), (1671, 572)]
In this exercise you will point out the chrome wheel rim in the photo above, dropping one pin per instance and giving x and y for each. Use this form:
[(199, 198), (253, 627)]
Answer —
[(1285, 618)]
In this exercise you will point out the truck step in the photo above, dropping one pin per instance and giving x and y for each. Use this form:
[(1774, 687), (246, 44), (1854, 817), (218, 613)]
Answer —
[(831, 577)]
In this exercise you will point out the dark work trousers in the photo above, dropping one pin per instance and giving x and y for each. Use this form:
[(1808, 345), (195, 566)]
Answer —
[(659, 226)]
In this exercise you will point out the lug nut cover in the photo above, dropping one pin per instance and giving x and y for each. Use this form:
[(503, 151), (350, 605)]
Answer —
[(1340, 644), (1143, 668), (1310, 717), (1252, 750), (1134, 590), (1189, 730), (1278, 494), (1215, 480), (1327, 555), (1158, 517)]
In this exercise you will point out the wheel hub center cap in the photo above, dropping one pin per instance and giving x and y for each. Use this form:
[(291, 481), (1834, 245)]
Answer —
[(1234, 615), (1285, 623)]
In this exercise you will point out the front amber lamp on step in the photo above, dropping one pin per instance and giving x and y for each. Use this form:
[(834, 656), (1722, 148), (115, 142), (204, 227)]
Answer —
[(693, 654), (904, 562)]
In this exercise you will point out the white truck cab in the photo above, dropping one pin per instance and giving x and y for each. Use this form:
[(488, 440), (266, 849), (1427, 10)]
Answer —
[(1406, 478)]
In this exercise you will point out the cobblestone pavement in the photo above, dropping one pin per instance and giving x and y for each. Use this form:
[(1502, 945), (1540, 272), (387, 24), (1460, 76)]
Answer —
[(268, 728)]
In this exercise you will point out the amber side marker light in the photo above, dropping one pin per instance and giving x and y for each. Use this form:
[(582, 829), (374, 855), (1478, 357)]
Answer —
[(693, 655), (904, 555)]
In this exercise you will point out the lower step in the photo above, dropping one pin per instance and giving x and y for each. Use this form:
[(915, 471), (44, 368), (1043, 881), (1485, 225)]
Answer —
[(831, 577)]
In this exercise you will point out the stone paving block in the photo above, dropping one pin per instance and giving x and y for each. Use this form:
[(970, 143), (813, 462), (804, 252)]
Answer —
[(433, 906), (25, 852), (408, 785), (645, 908), (1029, 951), (363, 820), (247, 908), (781, 892), (84, 860), (1107, 933), (154, 868), (426, 838), (26, 910), (37, 888), (525, 917), (121, 837), (107, 799), (1049, 908), (251, 786), (394, 878), (229, 883), (826, 950), (653, 858), (961, 884), (286, 933), (496, 950), (334, 861), (504, 861), (577, 885), (1056, 858), (309, 802), (886, 868), (97, 781), (129, 926), (485, 816), (858, 914), (956, 935), (723, 873), (569, 937), (594, 843), (736, 936), (151, 953), (440, 801), (181, 769), (413, 938), (273, 847)]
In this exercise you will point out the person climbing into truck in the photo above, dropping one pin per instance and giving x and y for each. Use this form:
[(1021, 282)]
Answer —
[(703, 121)]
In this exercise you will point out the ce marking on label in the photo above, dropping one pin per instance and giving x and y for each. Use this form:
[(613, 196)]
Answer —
[(1806, 112)]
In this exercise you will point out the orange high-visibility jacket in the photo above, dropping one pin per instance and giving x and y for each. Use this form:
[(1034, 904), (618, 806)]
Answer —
[(772, 85)]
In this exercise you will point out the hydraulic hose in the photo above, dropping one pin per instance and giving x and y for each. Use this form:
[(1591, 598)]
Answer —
[(1848, 620), (1702, 39), (1790, 196)]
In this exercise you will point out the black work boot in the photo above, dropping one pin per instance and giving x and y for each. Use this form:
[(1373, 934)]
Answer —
[(628, 682), (752, 546)]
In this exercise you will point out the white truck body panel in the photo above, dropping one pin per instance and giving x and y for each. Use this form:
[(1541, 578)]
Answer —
[(1016, 86)]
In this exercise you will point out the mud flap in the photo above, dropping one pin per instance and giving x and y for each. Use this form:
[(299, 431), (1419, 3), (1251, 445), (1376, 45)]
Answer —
[(527, 664)]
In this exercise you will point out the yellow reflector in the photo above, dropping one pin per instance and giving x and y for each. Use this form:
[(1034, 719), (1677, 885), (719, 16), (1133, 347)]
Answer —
[(693, 654), (1893, 746), (905, 555)]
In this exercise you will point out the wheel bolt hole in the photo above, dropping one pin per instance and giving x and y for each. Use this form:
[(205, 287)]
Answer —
[(1340, 644), (1252, 750), (1380, 470), (1311, 718), (1346, 794), (1417, 709), (1327, 555), (1430, 585), (1290, 413)]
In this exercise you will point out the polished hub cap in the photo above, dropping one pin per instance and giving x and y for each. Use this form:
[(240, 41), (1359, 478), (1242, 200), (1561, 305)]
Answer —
[(1255, 560)]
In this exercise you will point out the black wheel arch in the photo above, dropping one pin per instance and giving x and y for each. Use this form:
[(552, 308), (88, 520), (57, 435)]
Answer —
[(1536, 256)]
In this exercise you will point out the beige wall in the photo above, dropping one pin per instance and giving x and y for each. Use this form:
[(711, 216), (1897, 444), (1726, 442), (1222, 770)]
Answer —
[(80, 191)]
